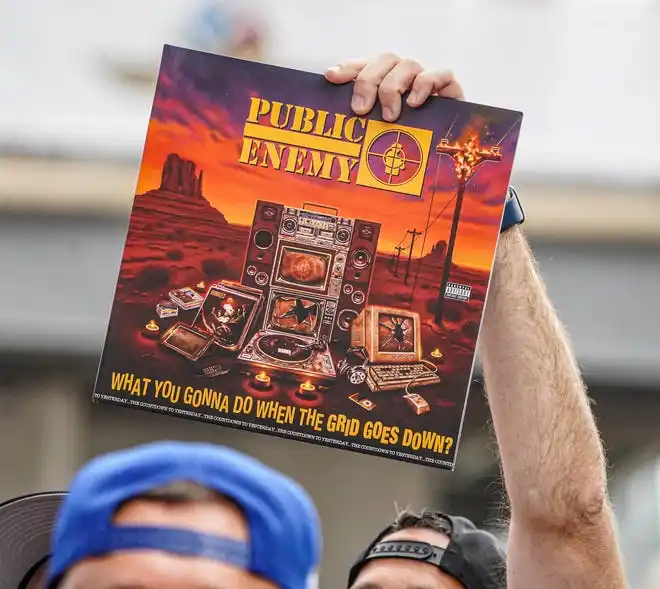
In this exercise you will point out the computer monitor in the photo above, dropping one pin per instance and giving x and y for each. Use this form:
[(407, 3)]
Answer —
[(389, 335)]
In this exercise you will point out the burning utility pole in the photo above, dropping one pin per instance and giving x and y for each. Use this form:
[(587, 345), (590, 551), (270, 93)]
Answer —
[(467, 156)]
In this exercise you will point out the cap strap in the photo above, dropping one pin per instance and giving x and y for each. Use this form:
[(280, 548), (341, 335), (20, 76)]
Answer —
[(450, 560), (175, 540), (410, 550), (406, 549)]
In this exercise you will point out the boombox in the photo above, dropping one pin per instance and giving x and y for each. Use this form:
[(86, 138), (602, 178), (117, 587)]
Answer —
[(313, 253)]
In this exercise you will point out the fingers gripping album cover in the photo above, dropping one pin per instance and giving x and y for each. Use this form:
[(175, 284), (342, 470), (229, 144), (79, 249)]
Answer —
[(293, 269)]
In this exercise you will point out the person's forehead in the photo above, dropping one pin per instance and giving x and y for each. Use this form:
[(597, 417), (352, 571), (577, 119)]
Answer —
[(153, 569), (399, 573)]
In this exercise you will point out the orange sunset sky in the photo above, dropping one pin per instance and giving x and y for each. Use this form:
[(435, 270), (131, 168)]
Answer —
[(198, 127)]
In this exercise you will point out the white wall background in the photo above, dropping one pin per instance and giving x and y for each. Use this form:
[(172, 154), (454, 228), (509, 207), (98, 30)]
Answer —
[(585, 73)]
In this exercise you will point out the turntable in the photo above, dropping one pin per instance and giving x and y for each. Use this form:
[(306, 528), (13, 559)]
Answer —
[(285, 348), (290, 341)]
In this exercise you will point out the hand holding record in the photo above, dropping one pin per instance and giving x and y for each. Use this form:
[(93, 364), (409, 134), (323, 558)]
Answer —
[(386, 78)]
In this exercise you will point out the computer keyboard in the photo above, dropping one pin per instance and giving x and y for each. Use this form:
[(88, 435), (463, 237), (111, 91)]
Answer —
[(387, 377)]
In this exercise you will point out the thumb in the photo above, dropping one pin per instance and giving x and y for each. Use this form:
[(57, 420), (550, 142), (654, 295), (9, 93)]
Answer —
[(346, 71)]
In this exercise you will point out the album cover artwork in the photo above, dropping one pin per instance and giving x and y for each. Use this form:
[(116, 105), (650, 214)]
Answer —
[(293, 269), (227, 313), (167, 308), (186, 298)]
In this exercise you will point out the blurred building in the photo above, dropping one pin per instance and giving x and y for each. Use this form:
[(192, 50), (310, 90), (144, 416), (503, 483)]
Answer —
[(76, 94)]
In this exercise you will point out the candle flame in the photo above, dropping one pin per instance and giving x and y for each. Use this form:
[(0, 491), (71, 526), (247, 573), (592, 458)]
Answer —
[(436, 353), (152, 325)]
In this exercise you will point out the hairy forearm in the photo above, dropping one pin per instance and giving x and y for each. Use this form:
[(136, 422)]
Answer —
[(551, 453)]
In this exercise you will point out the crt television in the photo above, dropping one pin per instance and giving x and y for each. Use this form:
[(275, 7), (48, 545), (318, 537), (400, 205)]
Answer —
[(303, 267), (295, 313), (389, 335)]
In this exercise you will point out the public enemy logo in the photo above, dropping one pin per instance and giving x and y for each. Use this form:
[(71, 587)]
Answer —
[(337, 147), (394, 157)]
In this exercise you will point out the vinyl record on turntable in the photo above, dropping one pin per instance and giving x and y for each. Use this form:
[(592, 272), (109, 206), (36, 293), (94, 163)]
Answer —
[(284, 348)]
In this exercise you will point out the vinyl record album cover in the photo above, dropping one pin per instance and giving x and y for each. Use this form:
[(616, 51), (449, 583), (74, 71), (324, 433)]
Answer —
[(296, 270)]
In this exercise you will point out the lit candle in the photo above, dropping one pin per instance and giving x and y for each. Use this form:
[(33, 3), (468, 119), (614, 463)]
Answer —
[(200, 286), (437, 357), (306, 388), (261, 381), (151, 330), (152, 326)]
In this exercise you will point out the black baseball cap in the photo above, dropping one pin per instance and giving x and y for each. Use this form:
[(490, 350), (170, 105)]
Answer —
[(26, 525), (474, 557)]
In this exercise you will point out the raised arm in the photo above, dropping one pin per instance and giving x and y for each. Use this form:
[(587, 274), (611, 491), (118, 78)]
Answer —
[(562, 531)]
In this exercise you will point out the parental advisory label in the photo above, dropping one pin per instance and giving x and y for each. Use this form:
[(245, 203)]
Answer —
[(458, 292)]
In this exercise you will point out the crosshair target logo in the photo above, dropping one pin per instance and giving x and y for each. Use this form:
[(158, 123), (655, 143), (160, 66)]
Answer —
[(394, 157)]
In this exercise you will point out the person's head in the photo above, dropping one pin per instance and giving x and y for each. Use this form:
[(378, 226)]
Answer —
[(430, 550), (171, 515), (26, 524)]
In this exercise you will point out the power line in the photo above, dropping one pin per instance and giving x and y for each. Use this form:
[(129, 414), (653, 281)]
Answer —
[(451, 127), (428, 217), (419, 264), (405, 235), (414, 233), (511, 128), (451, 200), (480, 156)]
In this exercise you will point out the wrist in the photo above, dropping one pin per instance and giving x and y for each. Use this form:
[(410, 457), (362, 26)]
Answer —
[(511, 246), (513, 267)]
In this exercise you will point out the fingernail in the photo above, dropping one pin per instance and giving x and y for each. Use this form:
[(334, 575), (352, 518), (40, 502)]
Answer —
[(388, 113), (358, 102), (333, 70), (413, 98)]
